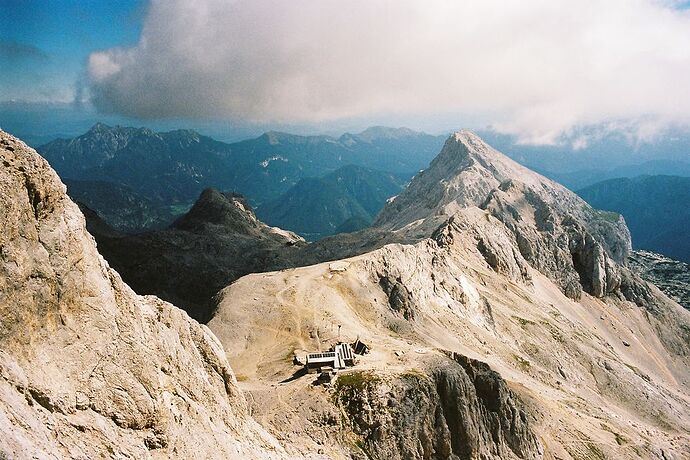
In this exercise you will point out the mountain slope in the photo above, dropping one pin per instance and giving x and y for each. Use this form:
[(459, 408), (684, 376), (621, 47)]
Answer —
[(543, 217), (655, 209), (216, 242), (120, 206), (88, 369), (316, 207), (505, 280)]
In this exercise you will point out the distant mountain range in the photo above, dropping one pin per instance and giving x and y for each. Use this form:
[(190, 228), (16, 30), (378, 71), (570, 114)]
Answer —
[(169, 167), (590, 155), (656, 209), (137, 179), (580, 179)]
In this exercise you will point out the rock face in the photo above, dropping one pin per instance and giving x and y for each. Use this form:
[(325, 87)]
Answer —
[(88, 369), (555, 231), (460, 409), (671, 276), (216, 242)]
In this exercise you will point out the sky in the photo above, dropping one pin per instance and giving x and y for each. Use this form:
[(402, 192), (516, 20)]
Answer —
[(45, 45), (536, 69)]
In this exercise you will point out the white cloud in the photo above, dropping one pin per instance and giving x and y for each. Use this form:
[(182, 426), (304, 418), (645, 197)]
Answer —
[(538, 68)]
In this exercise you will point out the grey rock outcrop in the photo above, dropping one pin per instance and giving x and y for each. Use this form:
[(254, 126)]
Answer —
[(88, 369), (554, 230), (418, 414), (671, 276)]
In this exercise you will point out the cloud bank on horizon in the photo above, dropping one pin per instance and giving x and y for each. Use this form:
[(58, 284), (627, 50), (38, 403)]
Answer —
[(538, 68)]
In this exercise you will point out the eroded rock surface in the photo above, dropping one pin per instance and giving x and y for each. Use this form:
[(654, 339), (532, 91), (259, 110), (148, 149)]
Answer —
[(88, 369), (458, 409)]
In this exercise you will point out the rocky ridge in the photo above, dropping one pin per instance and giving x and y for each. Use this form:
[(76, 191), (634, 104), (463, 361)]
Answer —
[(500, 265), (88, 369), (555, 231)]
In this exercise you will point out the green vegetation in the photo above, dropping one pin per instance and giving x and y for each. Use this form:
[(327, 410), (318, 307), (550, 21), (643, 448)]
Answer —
[(352, 390), (608, 216), (522, 363), (361, 445), (359, 381), (414, 374), (523, 322), (555, 333)]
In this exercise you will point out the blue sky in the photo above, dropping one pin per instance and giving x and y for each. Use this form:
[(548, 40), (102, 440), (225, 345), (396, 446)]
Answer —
[(44, 44)]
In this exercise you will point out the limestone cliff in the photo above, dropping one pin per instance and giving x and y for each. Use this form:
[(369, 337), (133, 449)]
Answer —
[(88, 369)]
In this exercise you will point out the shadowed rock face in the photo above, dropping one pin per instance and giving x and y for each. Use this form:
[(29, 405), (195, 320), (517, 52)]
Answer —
[(88, 369), (398, 295), (460, 409), (216, 242)]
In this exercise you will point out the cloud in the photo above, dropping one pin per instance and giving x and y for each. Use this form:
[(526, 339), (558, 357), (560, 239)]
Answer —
[(538, 68)]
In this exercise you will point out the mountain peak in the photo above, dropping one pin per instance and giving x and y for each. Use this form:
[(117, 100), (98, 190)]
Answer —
[(469, 179), (383, 132), (463, 174), (99, 128), (214, 207)]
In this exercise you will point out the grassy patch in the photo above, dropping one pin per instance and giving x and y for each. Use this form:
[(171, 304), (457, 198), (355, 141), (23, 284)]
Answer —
[(359, 381), (352, 390), (608, 216), (554, 331), (522, 363), (523, 321), (363, 447), (414, 374)]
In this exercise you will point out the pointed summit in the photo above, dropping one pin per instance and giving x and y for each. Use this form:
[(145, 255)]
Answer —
[(229, 210), (555, 231), (99, 128), (463, 174)]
